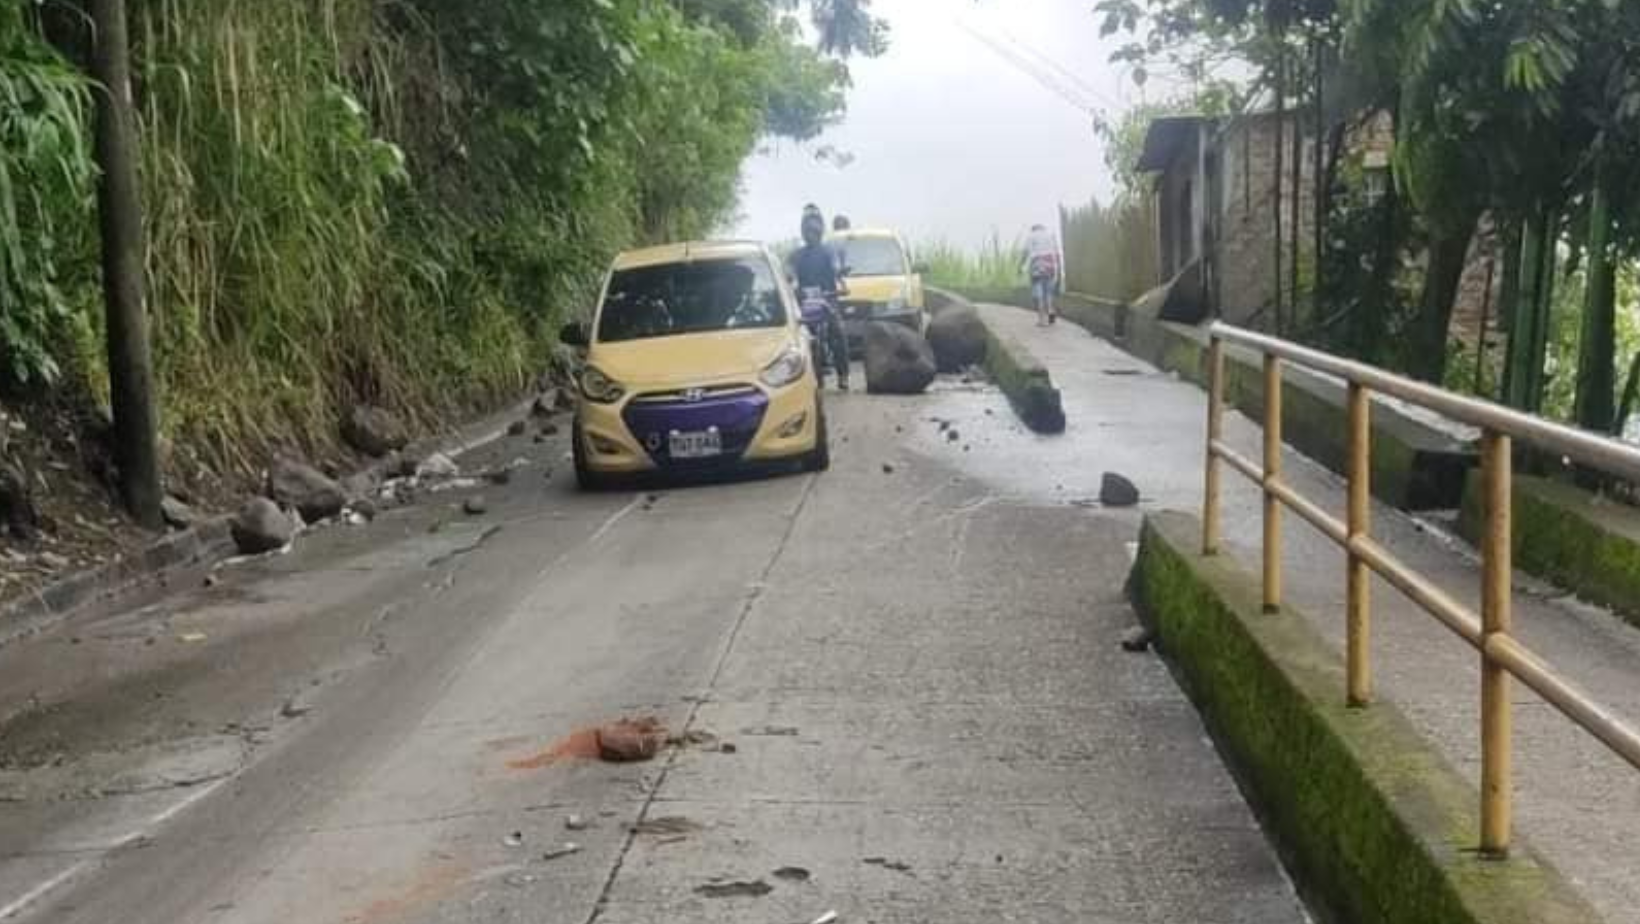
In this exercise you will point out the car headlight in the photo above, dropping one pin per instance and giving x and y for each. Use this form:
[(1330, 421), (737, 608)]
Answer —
[(600, 388), (786, 369)]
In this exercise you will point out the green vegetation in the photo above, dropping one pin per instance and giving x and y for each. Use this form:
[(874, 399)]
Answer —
[(1110, 252), (1568, 536), (352, 200), (1517, 116), (993, 265)]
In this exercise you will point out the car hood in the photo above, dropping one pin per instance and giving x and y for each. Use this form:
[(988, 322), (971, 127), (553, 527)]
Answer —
[(875, 288), (721, 357)]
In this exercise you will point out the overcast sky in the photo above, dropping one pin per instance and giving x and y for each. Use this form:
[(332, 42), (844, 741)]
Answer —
[(949, 139)]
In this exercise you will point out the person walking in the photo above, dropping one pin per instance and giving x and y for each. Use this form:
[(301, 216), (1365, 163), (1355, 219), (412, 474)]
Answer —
[(1042, 266)]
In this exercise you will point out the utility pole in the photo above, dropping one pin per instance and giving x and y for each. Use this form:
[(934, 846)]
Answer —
[(130, 363)]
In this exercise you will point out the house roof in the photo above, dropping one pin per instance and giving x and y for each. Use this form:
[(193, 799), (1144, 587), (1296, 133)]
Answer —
[(1165, 138)]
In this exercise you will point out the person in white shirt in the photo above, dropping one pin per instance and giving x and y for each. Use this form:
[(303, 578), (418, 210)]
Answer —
[(1042, 266)]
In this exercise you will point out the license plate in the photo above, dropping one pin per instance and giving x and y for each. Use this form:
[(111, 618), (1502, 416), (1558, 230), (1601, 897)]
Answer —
[(696, 444)]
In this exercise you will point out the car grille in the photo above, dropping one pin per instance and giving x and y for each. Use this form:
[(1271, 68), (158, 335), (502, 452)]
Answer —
[(690, 396), (735, 410)]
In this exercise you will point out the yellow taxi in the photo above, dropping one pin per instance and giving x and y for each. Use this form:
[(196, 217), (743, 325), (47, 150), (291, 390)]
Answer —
[(881, 282), (696, 361)]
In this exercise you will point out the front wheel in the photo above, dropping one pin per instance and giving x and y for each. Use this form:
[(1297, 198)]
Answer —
[(819, 458)]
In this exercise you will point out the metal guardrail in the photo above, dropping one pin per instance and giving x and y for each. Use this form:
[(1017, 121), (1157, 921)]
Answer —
[(1490, 632)]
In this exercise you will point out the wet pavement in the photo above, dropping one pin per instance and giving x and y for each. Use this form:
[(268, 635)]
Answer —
[(1575, 801), (898, 687)]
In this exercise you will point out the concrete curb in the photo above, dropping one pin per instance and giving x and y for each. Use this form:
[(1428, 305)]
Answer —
[(1020, 375), (1377, 827), (1570, 538), (200, 546), (1414, 466)]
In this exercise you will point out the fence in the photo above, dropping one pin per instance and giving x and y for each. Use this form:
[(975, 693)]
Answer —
[(1502, 656), (1110, 252)]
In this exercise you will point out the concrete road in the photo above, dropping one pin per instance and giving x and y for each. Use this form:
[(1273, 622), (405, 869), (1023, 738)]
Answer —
[(908, 668)]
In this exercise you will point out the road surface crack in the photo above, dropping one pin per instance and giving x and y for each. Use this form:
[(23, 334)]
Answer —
[(652, 796)]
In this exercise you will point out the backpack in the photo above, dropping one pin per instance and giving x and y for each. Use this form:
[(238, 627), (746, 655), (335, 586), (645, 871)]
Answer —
[(1044, 266)]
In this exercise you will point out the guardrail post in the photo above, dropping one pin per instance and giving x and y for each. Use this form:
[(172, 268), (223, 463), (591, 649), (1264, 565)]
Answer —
[(1359, 615), (1497, 788), (1272, 474), (1211, 506)]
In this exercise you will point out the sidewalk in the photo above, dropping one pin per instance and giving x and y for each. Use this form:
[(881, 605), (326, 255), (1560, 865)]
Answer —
[(1575, 802)]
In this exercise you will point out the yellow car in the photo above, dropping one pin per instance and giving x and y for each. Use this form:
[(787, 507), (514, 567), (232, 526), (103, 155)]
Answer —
[(696, 361), (881, 282)]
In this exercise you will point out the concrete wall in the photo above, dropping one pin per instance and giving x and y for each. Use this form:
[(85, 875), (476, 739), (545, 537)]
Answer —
[(1376, 826)]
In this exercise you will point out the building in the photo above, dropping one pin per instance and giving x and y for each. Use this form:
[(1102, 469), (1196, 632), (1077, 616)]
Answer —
[(1224, 249)]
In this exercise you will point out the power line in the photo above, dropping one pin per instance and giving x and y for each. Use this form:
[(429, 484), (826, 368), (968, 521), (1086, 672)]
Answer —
[(1087, 90), (1048, 80)]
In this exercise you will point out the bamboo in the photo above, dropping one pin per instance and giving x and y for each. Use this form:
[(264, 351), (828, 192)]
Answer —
[(1497, 596), (1359, 612), (1211, 504), (1592, 449), (1272, 473)]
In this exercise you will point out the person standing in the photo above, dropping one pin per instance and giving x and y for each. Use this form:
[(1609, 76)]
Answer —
[(1042, 266)]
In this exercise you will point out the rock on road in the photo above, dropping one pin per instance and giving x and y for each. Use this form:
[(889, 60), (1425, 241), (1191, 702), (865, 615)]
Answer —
[(919, 677)]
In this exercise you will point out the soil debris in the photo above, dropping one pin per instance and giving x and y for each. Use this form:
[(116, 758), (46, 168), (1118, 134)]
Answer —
[(770, 731), (755, 888), (631, 740), (558, 853), (666, 826), (1138, 639), (888, 864)]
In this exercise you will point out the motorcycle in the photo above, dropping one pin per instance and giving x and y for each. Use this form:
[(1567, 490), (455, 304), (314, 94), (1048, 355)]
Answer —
[(817, 313)]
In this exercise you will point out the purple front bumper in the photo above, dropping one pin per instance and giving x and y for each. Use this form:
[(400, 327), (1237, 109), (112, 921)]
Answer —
[(736, 417)]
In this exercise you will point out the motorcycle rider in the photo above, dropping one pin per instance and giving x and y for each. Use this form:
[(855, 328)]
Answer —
[(840, 224), (815, 267)]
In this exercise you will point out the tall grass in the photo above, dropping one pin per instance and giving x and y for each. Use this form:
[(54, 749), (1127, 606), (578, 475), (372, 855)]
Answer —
[(992, 265), (1110, 252), (283, 282)]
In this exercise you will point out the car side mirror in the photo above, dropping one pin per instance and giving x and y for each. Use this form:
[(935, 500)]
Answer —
[(575, 334), (919, 268)]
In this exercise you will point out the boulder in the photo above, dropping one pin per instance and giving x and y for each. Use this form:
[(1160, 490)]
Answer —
[(898, 360), (958, 338), (1117, 491), (260, 526), (373, 431), (552, 401), (302, 487), (176, 512), (438, 465)]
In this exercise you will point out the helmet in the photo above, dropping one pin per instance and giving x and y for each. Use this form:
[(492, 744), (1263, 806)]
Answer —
[(814, 224)]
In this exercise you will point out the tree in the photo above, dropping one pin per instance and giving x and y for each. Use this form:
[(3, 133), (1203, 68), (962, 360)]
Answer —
[(130, 362)]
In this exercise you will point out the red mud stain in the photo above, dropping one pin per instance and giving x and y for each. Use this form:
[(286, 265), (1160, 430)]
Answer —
[(617, 742), (429, 885), (578, 745)]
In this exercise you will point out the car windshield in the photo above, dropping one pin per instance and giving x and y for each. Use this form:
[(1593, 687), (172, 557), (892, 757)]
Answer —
[(690, 298), (873, 256)]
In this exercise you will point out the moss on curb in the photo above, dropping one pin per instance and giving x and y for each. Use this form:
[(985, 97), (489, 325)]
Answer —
[(1025, 381), (1375, 824), (1571, 538), (1019, 374)]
